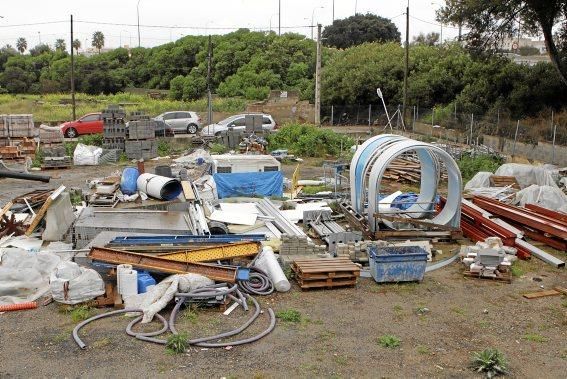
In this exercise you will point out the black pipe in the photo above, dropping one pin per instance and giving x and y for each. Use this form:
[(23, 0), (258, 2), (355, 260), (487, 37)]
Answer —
[(24, 176)]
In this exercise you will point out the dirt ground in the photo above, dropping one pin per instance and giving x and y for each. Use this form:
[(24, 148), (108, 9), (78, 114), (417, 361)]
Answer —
[(336, 337)]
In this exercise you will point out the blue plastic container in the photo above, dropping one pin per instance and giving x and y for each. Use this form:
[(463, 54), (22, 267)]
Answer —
[(128, 184), (145, 280), (393, 264)]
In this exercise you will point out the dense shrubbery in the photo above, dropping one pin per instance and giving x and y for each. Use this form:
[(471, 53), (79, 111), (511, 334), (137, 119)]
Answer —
[(310, 141), (470, 165)]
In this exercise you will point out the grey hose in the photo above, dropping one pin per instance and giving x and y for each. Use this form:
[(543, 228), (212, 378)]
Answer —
[(149, 334), (258, 284), (76, 337)]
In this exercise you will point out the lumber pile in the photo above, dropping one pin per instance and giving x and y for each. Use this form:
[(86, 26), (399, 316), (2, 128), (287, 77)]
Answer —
[(406, 170)]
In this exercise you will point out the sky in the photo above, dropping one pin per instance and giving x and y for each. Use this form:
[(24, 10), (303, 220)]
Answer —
[(47, 21)]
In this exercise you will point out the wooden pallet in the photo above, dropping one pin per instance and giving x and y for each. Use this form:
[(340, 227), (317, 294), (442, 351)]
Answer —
[(504, 181), (325, 273), (506, 276)]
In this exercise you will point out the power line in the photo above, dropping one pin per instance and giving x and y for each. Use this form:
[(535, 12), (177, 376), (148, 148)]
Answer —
[(33, 24), (188, 27), (433, 23)]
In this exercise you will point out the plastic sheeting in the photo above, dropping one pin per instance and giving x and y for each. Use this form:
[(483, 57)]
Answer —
[(546, 196), (479, 180), (526, 174), (24, 276), (159, 296), (249, 183), (72, 284)]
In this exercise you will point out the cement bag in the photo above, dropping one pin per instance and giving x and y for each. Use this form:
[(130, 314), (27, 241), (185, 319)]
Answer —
[(86, 155), (526, 174), (159, 296), (72, 284), (546, 196), (24, 276), (480, 180)]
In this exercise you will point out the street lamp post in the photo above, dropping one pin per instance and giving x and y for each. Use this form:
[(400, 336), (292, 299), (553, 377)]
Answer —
[(274, 14), (313, 17), (138, 13)]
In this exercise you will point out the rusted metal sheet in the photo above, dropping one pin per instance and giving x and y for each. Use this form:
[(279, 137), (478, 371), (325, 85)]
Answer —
[(219, 273)]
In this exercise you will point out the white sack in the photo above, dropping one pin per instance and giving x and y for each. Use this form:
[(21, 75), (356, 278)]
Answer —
[(86, 155), (159, 296), (83, 284)]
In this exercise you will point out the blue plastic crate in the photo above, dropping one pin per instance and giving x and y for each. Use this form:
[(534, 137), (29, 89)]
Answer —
[(392, 264)]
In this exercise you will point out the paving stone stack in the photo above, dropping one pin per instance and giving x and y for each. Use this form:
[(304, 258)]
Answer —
[(17, 126), (114, 128), (141, 140), (355, 251)]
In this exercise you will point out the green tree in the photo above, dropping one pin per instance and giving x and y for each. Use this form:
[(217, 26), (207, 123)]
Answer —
[(76, 45), (490, 21), (60, 45), (98, 40), (21, 45), (429, 39), (359, 29), (40, 49)]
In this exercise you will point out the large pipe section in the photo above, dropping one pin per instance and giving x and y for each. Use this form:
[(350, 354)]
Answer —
[(24, 176), (371, 160), (159, 187)]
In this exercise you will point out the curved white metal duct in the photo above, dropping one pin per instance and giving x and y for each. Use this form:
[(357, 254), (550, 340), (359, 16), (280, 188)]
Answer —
[(373, 157)]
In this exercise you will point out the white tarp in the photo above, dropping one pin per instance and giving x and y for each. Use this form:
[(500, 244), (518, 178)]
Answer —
[(24, 276), (86, 155), (526, 174), (159, 296), (546, 196), (479, 180)]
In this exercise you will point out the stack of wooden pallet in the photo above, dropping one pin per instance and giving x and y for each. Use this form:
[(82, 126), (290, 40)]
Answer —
[(325, 273), (405, 169)]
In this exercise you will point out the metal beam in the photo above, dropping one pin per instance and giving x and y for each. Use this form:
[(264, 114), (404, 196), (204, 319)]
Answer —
[(117, 257), (209, 254)]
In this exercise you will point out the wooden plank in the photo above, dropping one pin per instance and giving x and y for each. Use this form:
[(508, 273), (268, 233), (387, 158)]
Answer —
[(187, 190), (536, 295), (43, 210), (6, 208), (560, 289)]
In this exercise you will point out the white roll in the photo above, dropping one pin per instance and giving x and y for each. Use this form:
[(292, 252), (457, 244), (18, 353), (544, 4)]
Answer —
[(268, 262)]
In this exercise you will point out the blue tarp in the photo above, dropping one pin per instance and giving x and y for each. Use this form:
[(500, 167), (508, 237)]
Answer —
[(249, 183)]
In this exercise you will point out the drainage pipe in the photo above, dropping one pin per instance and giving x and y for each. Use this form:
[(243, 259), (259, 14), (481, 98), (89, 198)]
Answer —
[(159, 187)]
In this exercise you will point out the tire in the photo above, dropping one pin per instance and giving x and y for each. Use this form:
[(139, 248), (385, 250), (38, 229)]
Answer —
[(71, 133), (192, 129)]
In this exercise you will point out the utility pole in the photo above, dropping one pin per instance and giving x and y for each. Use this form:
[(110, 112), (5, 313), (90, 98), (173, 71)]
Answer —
[(72, 72), (406, 68), (318, 79), (209, 95), (333, 10), (138, 13), (279, 17)]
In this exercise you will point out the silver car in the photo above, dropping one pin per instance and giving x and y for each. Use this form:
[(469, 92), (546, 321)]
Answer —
[(238, 122), (181, 121)]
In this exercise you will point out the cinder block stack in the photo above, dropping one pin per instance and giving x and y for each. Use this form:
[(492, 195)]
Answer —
[(114, 128), (141, 137), (300, 245)]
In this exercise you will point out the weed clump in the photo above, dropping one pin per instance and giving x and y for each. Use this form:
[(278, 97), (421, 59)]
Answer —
[(289, 315), (389, 341), (491, 362), (177, 343)]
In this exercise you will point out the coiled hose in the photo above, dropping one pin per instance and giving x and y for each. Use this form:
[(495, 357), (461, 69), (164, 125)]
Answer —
[(258, 284)]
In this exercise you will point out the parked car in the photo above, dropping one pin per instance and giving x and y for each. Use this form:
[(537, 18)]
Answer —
[(181, 121), (238, 122), (162, 129), (88, 124)]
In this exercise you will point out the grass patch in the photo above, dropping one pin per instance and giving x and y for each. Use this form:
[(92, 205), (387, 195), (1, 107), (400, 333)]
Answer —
[(217, 148), (516, 270), (177, 343), (470, 165), (491, 362), (190, 316), (389, 341), (312, 190), (341, 360), (421, 349), (37, 160), (458, 310), (564, 304), (103, 342), (163, 148), (289, 315), (78, 312), (533, 337)]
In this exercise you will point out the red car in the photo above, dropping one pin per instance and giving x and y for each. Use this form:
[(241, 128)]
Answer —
[(88, 124)]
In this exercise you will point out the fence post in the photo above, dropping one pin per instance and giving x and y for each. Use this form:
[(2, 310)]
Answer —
[(332, 114), (357, 111), (553, 150), (498, 123), (515, 138), (552, 127), (455, 111), (414, 118), (432, 116), (369, 114), (472, 123)]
